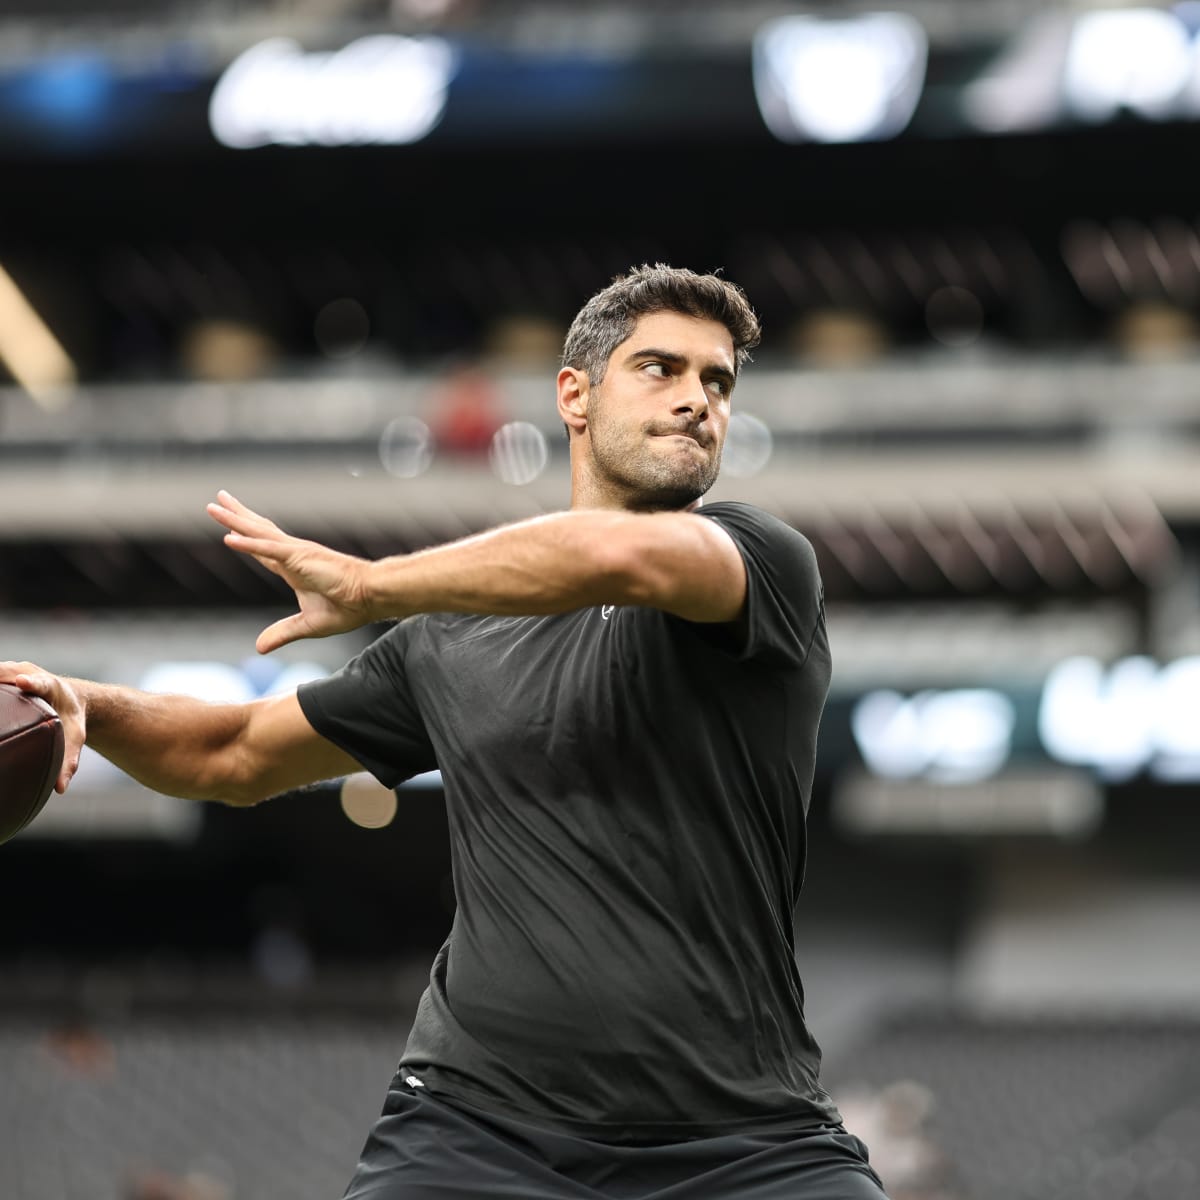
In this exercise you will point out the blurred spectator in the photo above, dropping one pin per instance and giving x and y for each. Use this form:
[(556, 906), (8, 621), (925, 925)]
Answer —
[(465, 410), (525, 342), (224, 351), (159, 1185), (81, 1050), (837, 338), (280, 953), (1156, 331)]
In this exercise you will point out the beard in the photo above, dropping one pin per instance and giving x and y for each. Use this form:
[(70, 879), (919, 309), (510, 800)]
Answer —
[(647, 476)]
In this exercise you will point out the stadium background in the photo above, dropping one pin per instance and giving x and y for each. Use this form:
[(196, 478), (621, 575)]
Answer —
[(974, 244)]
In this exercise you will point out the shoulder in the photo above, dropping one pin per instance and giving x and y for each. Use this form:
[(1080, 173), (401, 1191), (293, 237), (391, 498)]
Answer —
[(754, 527)]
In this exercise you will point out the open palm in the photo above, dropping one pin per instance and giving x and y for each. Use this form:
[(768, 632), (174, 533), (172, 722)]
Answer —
[(329, 586)]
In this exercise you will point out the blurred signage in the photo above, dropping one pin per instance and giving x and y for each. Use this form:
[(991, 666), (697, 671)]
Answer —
[(1092, 67), (957, 735), (1115, 720), (798, 78), (1120, 720), (950, 759), (382, 90)]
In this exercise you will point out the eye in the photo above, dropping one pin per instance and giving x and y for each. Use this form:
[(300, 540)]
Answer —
[(659, 369), (720, 386)]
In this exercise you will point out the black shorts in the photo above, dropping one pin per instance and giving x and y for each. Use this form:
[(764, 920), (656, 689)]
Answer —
[(425, 1147)]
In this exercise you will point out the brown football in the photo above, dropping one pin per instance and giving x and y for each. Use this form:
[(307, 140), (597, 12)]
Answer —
[(31, 755)]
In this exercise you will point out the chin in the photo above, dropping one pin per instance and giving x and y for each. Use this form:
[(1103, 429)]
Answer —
[(677, 493)]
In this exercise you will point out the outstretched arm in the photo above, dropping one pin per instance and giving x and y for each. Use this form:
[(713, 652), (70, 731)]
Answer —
[(235, 753), (676, 561)]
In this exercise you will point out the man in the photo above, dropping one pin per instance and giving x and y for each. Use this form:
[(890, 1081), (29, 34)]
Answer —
[(623, 700)]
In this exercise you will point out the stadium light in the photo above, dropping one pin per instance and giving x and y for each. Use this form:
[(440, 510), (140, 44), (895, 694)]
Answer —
[(1138, 59), (851, 80), (378, 90)]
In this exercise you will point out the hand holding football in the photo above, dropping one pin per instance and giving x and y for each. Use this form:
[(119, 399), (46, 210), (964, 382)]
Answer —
[(31, 756)]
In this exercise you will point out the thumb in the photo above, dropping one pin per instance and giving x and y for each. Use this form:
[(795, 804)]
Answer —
[(290, 629)]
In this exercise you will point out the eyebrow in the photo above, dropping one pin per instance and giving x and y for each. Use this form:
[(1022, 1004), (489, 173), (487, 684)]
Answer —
[(713, 370)]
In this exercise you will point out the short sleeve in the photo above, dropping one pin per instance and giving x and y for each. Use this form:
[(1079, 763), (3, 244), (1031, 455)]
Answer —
[(367, 708), (785, 610)]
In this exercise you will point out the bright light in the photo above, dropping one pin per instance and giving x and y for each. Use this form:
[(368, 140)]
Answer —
[(1100, 718), (30, 351), (382, 90), (226, 683), (215, 682), (1119, 720), (956, 736), (1177, 730), (1136, 58), (849, 80)]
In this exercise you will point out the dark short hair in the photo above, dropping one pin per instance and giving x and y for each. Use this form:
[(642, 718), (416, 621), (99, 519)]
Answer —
[(608, 318)]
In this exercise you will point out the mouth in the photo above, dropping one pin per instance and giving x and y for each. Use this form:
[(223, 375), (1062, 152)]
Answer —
[(678, 433)]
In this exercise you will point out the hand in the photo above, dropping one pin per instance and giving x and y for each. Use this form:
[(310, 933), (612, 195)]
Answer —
[(64, 699), (330, 587)]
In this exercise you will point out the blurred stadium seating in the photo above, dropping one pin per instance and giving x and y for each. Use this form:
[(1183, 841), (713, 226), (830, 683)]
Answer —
[(978, 393)]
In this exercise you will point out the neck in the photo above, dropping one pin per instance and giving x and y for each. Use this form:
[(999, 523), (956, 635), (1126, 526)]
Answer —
[(588, 491)]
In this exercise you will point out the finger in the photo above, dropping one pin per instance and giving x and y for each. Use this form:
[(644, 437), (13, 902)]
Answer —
[(69, 767), (229, 500), (243, 522), (230, 504), (234, 505), (281, 633), (39, 685), (266, 551), (10, 670)]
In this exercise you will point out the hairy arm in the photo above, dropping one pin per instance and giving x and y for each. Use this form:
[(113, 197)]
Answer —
[(238, 754), (679, 562)]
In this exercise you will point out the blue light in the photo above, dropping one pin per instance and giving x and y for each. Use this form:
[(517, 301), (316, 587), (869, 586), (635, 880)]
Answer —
[(69, 91)]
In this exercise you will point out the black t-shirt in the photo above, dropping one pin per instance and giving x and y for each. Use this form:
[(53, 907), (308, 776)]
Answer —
[(626, 795)]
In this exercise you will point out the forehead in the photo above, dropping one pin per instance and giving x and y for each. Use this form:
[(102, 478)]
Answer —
[(693, 337)]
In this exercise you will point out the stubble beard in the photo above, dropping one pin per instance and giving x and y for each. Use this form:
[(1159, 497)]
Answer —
[(626, 465)]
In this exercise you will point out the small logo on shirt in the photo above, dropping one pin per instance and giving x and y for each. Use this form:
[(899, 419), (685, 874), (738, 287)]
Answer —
[(607, 610), (413, 1081)]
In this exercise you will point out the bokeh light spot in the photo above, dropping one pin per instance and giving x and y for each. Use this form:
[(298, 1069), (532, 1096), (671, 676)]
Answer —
[(367, 802), (954, 316), (405, 447), (748, 446), (519, 452), (341, 328)]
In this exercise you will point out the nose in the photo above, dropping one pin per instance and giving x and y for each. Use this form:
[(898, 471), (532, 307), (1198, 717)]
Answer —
[(691, 397)]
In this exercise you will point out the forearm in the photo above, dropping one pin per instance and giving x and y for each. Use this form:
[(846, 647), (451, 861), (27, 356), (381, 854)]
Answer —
[(175, 745), (548, 564), (678, 562)]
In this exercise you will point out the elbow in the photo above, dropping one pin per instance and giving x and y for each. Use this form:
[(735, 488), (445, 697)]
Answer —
[(236, 781)]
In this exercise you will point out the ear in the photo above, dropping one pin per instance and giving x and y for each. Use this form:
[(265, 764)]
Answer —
[(573, 390)]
